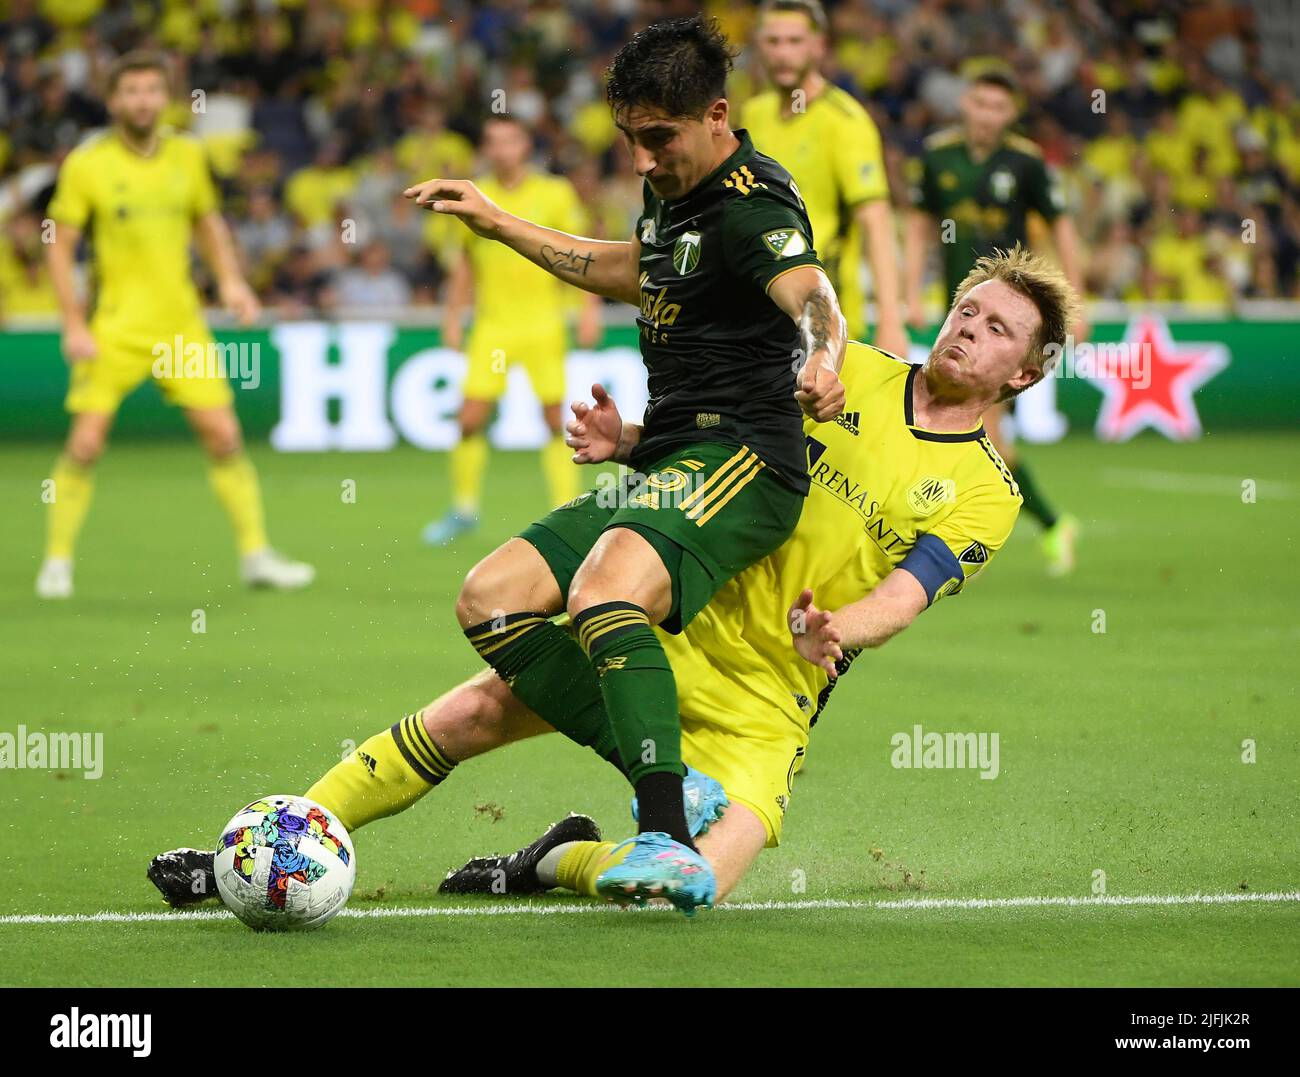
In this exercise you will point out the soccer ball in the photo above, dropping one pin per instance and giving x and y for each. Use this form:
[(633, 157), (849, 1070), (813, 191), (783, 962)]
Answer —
[(284, 863)]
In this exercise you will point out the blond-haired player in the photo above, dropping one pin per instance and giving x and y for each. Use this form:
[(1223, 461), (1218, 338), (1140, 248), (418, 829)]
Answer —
[(832, 147), (983, 181), (142, 192), (519, 318)]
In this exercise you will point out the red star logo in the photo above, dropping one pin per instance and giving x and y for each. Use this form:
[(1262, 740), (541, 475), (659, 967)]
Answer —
[(1148, 381)]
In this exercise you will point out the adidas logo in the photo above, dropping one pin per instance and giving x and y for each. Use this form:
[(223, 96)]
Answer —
[(849, 420), (368, 761)]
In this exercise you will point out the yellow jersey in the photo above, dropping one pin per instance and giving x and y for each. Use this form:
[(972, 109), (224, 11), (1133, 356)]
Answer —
[(428, 154), (313, 194), (885, 493), (25, 286), (140, 213), (832, 149), (509, 291)]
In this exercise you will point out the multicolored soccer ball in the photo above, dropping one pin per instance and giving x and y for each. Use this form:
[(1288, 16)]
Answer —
[(284, 863)]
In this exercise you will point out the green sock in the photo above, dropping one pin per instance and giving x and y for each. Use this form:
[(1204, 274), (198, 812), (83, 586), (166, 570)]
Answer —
[(638, 686), (1035, 504), (547, 671)]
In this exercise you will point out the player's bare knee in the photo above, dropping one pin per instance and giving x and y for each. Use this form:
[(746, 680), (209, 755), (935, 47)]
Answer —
[(475, 602), (219, 448), (578, 601), (586, 590), (512, 579), (222, 441), (84, 448), (474, 417), (489, 591), (218, 431)]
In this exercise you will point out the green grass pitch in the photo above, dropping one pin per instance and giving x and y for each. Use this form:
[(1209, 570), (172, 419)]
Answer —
[(1121, 751)]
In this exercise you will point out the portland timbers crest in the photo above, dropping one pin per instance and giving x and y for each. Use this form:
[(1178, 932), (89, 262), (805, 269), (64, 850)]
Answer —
[(686, 252)]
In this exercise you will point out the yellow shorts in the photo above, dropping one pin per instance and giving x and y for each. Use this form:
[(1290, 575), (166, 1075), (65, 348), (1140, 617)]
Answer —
[(492, 352), (125, 360), (737, 734)]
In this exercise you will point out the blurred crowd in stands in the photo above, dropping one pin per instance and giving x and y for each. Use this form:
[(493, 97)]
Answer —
[(1179, 151)]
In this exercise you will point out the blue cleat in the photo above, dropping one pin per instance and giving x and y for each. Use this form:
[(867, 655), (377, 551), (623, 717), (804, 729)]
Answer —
[(658, 867), (445, 531), (704, 800)]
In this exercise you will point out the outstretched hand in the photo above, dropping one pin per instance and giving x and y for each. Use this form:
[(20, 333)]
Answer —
[(459, 198), (816, 639), (595, 430)]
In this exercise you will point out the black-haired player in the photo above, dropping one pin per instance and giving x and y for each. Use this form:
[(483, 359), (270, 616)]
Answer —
[(739, 330)]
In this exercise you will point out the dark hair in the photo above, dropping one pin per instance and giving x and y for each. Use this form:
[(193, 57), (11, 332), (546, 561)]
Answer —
[(815, 13), (138, 60), (997, 76), (679, 66), (504, 117)]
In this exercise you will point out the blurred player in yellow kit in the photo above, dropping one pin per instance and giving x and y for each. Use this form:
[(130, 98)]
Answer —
[(832, 148), (520, 316), (143, 192)]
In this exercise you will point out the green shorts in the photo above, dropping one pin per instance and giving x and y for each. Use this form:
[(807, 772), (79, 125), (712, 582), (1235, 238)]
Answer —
[(709, 510)]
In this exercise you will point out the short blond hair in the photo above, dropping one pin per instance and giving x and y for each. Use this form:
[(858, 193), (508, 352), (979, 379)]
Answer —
[(1043, 283)]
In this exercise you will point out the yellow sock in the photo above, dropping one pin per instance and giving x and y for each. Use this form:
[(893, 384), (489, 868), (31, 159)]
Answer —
[(73, 485), (234, 480), (560, 471), (385, 775), (579, 866), (468, 465)]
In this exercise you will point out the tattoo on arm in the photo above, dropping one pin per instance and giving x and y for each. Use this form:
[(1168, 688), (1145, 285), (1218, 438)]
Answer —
[(821, 321), (570, 261)]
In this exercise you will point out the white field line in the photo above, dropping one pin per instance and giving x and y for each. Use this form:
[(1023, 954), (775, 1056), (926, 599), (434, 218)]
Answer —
[(519, 909), (1196, 482)]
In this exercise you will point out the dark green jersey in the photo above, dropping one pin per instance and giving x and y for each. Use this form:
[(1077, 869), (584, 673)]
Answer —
[(986, 201), (720, 355)]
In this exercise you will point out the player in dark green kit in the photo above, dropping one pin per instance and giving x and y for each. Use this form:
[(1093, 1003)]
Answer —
[(978, 184), (742, 336)]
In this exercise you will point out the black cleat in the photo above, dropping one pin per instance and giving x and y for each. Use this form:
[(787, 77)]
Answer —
[(517, 872), (184, 876)]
